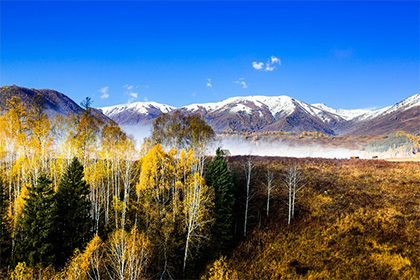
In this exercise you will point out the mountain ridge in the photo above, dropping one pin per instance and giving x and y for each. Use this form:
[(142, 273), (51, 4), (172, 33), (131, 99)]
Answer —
[(240, 114), (268, 113)]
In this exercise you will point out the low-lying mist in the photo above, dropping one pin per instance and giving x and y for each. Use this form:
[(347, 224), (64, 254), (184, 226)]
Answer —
[(138, 132), (388, 147), (240, 146)]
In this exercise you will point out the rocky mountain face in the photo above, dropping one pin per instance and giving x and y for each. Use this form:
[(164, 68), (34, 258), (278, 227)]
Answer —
[(273, 113), (55, 102)]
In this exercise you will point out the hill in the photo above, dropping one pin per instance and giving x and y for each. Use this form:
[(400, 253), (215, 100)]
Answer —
[(55, 102)]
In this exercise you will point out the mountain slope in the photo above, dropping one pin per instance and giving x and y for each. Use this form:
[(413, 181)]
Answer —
[(403, 116), (55, 102)]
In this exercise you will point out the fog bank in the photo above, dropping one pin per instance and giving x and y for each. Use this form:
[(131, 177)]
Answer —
[(239, 146)]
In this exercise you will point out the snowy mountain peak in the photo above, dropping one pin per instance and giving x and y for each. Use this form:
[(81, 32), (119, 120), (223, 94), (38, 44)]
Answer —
[(347, 114), (268, 113), (404, 105), (138, 107), (276, 104), (408, 103)]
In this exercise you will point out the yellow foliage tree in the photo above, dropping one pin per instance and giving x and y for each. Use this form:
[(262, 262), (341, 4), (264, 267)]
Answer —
[(198, 204), (221, 271), (156, 191), (86, 264), (127, 254)]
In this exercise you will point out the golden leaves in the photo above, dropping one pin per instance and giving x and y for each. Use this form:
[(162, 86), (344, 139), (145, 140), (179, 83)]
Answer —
[(221, 271)]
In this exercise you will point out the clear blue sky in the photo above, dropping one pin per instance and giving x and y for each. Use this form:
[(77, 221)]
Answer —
[(353, 54)]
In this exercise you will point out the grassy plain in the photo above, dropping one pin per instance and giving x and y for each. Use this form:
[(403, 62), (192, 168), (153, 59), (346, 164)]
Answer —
[(356, 219), (408, 159)]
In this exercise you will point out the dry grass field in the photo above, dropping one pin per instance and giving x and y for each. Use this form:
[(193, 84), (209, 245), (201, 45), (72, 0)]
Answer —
[(356, 219), (410, 159)]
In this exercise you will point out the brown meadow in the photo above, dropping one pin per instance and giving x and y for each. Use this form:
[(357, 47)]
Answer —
[(356, 219)]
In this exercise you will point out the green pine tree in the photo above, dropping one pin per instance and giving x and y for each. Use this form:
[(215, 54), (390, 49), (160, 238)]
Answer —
[(219, 177), (73, 222), (5, 236), (34, 229)]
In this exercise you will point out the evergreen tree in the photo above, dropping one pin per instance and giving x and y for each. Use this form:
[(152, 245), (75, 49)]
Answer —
[(73, 223), (219, 177), (5, 236), (34, 231)]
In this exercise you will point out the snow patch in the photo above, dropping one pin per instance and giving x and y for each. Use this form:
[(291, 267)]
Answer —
[(406, 104), (347, 114), (241, 108)]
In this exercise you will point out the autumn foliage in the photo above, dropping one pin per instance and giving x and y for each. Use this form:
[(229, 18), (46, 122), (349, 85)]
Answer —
[(151, 213)]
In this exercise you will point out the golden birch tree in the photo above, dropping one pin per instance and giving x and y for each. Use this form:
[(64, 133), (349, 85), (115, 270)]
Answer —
[(198, 203)]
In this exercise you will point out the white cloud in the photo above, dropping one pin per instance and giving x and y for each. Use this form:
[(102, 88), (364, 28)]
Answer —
[(209, 83), (275, 60), (104, 92), (257, 65), (269, 66), (142, 86), (129, 91), (241, 82), (129, 87)]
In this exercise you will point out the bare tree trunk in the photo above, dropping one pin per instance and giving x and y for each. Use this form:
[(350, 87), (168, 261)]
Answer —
[(269, 186), (186, 251), (290, 204), (293, 179), (249, 166)]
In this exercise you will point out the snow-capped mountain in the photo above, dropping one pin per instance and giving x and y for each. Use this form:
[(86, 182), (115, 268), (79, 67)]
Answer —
[(277, 106), (406, 104), (273, 113), (404, 115), (263, 113), (344, 113), (137, 112)]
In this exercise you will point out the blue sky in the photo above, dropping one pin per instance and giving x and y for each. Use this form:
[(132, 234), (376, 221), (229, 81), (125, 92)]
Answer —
[(355, 54)]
